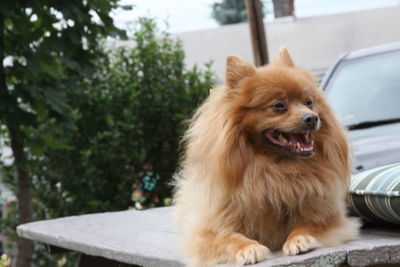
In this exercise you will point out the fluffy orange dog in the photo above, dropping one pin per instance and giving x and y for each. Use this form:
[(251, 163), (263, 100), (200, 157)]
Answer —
[(266, 167)]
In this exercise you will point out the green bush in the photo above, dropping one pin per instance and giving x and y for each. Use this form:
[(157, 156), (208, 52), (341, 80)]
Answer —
[(118, 148), (126, 130)]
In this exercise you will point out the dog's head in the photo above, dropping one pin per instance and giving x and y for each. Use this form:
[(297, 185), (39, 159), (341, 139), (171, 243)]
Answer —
[(278, 106)]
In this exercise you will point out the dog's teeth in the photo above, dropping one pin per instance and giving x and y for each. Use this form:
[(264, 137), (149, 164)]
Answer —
[(307, 135)]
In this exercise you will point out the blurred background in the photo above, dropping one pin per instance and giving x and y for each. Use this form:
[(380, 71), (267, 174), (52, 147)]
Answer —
[(94, 94), (316, 32)]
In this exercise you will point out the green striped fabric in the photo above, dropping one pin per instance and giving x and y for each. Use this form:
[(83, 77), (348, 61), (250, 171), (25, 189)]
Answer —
[(375, 194)]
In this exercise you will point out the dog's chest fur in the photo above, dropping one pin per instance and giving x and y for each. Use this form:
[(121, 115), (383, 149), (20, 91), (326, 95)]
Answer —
[(278, 200)]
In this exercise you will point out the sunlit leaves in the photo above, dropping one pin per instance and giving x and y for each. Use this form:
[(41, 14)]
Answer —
[(49, 44)]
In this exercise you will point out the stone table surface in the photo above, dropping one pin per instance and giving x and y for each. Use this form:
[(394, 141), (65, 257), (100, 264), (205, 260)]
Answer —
[(147, 238)]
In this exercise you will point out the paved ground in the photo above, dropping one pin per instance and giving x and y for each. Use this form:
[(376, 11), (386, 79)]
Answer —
[(147, 238)]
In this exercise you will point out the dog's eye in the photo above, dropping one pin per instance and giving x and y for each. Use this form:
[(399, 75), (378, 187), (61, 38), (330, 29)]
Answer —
[(279, 106), (308, 103)]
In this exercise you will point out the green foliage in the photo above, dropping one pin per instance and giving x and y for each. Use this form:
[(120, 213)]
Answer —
[(47, 48), (127, 129), (48, 45), (229, 11), (234, 11), (95, 124), (5, 261)]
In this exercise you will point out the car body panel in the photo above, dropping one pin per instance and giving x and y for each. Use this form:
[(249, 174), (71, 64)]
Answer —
[(357, 54), (375, 146)]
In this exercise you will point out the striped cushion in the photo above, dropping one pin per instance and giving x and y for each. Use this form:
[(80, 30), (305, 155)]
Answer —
[(375, 194)]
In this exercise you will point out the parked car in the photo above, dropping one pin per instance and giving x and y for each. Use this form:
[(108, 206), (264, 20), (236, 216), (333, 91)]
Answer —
[(363, 87)]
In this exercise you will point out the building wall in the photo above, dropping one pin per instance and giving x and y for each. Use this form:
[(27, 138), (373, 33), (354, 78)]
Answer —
[(314, 42)]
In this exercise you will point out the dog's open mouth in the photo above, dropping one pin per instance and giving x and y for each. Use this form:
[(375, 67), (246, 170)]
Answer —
[(299, 143)]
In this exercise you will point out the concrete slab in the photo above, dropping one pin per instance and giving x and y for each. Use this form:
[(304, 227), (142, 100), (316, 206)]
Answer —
[(147, 238)]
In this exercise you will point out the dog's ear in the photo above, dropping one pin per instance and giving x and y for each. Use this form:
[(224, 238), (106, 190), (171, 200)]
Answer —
[(284, 58), (237, 69)]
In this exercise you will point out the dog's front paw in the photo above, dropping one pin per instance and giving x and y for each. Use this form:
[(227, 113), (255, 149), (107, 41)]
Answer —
[(252, 253), (299, 243)]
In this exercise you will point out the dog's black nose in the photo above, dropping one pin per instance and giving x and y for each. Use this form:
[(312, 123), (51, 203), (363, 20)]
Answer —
[(311, 120)]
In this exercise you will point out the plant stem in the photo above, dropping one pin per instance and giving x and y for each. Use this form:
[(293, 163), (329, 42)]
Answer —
[(25, 247)]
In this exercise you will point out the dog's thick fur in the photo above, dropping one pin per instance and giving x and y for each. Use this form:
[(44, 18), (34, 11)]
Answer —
[(238, 197)]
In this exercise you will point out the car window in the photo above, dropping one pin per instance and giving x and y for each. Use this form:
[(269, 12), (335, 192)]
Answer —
[(366, 89)]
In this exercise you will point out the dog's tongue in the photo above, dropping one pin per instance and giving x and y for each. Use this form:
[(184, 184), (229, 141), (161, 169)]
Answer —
[(300, 143), (294, 138)]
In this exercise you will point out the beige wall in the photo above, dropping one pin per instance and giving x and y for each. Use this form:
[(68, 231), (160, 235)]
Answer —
[(314, 42)]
